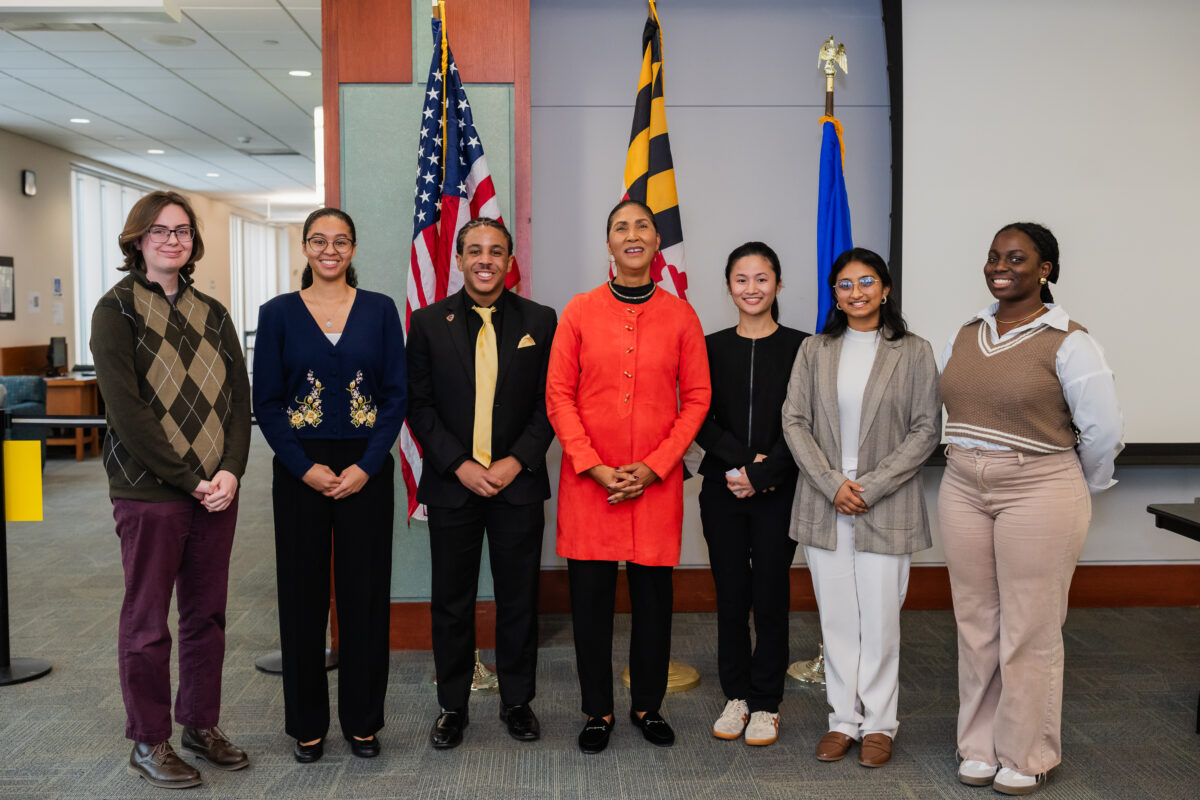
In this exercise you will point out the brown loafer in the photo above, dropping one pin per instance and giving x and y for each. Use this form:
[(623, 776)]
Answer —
[(214, 746), (833, 746), (876, 750)]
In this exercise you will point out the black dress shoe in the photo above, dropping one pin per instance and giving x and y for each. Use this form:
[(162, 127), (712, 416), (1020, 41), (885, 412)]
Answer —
[(162, 767), (594, 736), (308, 753), (364, 748), (654, 728), (522, 722), (448, 730), (214, 746)]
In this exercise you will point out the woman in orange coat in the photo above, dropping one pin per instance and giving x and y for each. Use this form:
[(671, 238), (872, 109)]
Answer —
[(626, 391)]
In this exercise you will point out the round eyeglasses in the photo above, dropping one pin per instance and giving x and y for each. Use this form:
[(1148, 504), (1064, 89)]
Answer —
[(160, 234), (864, 283), (319, 243)]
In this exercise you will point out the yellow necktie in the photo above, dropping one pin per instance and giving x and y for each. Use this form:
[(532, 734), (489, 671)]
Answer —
[(485, 387)]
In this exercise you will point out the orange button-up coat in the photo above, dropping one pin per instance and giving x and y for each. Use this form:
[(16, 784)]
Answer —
[(626, 383)]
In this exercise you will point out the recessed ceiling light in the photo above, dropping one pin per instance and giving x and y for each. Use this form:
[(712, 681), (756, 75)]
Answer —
[(172, 40), (212, 174), (271, 42), (300, 73), (80, 120), (155, 151)]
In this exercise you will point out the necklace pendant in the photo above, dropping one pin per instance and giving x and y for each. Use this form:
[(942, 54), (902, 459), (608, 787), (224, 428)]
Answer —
[(328, 323)]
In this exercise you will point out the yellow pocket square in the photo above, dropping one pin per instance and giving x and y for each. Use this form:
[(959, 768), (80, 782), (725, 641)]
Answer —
[(526, 341)]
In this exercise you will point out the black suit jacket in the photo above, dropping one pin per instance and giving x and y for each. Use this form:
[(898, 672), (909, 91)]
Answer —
[(441, 396)]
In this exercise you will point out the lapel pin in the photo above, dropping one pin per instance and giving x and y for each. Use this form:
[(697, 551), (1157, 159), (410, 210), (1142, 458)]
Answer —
[(449, 318)]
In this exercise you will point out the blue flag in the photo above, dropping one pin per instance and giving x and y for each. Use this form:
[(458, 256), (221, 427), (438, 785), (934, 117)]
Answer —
[(833, 214)]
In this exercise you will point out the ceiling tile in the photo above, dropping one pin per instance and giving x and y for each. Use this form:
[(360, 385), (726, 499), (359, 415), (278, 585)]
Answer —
[(96, 60), (17, 59), (61, 42), (310, 20), (9, 43), (239, 20)]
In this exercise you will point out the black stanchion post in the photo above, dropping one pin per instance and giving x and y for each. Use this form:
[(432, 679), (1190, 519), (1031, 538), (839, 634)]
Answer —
[(12, 670)]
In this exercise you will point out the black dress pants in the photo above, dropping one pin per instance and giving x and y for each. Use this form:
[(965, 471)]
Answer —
[(514, 536), (309, 530), (593, 601), (751, 557)]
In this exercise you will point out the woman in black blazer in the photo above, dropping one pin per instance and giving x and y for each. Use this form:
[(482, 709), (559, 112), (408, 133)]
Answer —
[(746, 501)]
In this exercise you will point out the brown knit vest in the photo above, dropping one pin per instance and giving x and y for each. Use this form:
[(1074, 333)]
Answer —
[(1008, 393)]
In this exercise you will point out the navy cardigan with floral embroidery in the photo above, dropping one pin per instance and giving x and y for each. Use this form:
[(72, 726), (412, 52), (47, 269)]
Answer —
[(305, 387)]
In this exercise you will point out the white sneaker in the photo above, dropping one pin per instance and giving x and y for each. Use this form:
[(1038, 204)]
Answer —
[(976, 773), (732, 721), (1009, 781), (763, 728)]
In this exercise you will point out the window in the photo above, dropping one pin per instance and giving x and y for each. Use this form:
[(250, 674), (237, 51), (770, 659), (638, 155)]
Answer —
[(258, 253), (100, 203)]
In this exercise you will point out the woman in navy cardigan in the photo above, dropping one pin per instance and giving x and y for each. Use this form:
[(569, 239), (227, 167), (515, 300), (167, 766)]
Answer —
[(329, 394)]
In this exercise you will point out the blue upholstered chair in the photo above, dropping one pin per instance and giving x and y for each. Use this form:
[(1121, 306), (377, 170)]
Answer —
[(26, 395)]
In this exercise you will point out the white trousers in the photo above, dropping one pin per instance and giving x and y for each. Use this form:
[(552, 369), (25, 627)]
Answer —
[(859, 596)]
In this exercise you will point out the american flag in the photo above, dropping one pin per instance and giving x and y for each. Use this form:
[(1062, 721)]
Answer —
[(649, 171), (453, 187)]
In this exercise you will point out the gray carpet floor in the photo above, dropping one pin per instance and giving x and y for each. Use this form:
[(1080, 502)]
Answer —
[(1128, 725)]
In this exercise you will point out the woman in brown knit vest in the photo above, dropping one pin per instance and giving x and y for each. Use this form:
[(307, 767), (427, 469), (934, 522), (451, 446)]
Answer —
[(1033, 426)]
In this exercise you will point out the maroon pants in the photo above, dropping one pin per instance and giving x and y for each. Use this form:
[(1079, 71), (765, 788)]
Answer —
[(180, 545)]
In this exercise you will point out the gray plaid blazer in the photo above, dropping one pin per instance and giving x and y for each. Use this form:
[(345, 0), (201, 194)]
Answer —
[(901, 425)]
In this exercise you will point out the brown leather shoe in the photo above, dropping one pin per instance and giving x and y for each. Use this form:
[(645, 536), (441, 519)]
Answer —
[(833, 746), (161, 767), (876, 750), (214, 747)]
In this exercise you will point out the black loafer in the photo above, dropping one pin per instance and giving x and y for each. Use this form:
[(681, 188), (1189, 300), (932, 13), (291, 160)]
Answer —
[(654, 728), (594, 736), (308, 753), (447, 730), (364, 748), (522, 722)]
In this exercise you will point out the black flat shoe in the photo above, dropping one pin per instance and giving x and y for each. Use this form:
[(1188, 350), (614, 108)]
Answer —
[(308, 753), (447, 730), (654, 728), (522, 722), (364, 748), (594, 736)]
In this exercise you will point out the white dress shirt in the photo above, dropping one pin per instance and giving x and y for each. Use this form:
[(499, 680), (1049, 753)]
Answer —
[(1088, 387)]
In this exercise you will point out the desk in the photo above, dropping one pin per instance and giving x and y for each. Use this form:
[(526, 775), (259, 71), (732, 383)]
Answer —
[(1184, 519), (74, 397)]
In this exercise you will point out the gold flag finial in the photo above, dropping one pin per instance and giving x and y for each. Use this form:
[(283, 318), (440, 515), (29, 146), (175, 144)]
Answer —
[(830, 55)]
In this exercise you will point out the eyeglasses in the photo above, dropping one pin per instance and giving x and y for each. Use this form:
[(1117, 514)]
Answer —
[(319, 243), (160, 234), (864, 283)]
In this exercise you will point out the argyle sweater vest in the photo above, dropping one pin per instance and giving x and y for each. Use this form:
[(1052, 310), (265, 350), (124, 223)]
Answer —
[(183, 362), (1008, 392)]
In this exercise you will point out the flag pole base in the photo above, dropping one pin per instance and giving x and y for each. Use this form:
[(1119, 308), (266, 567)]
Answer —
[(680, 677), (20, 670), (483, 679), (272, 662), (811, 671)]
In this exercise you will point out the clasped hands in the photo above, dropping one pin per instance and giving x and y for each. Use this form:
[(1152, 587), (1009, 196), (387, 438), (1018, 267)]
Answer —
[(848, 499), (334, 485), (217, 493), (623, 483), (740, 484), (488, 481)]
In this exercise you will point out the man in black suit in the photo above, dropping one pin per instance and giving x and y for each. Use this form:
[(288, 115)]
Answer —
[(477, 406)]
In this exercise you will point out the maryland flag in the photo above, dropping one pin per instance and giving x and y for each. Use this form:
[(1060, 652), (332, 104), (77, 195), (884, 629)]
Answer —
[(649, 173)]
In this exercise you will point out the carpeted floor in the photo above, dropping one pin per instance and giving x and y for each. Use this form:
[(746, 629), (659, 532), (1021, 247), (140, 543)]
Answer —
[(1128, 727)]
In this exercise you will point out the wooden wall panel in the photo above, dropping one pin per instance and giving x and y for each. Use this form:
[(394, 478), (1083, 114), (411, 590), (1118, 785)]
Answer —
[(374, 41), (483, 35)]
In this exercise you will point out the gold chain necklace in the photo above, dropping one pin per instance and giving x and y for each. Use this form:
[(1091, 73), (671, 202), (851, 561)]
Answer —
[(1039, 310), (612, 286)]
